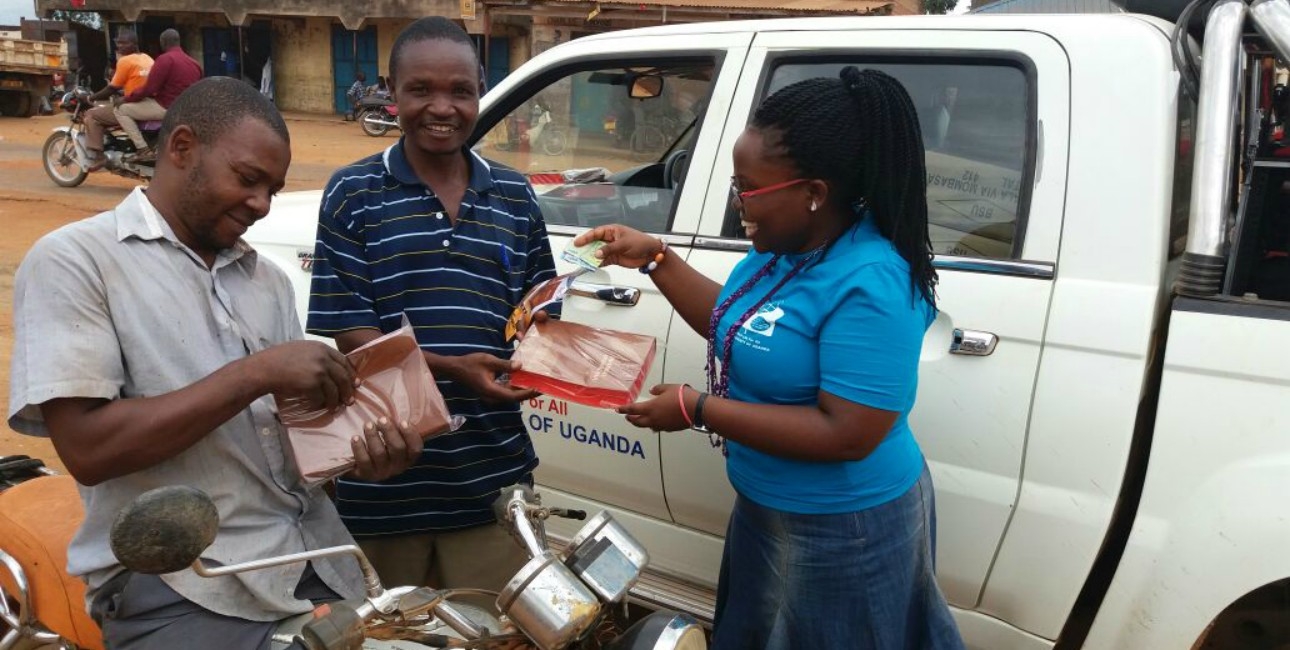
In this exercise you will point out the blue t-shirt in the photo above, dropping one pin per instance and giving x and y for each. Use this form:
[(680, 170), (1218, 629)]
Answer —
[(851, 324)]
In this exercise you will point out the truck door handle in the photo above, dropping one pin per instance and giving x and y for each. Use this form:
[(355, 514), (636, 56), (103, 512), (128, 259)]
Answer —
[(973, 343), (614, 295)]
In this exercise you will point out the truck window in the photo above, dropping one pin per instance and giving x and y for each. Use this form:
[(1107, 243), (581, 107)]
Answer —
[(1259, 264), (609, 144), (976, 129)]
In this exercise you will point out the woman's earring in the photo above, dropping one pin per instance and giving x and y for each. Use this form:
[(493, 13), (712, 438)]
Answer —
[(813, 206)]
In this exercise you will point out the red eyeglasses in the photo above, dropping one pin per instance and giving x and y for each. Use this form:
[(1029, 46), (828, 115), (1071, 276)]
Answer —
[(736, 193)]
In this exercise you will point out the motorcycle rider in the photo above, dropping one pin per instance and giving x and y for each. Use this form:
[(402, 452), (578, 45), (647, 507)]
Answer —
[(132, 67), (172, 73), (148, 344)]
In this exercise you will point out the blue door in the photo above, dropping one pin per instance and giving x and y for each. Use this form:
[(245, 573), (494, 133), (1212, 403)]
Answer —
[(220, 56), (591, 103), (499, 60), (352, 51)]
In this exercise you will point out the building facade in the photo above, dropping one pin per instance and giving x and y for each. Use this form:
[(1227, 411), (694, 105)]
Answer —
[(315, 47)]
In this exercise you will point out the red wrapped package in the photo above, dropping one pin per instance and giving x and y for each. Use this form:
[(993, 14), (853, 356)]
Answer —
[(395, 383), (585, 365)]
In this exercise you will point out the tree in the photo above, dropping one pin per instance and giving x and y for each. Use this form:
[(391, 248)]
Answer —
[(938, 6)]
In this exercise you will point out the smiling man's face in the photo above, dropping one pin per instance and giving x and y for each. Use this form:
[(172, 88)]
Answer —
[(436, 87)]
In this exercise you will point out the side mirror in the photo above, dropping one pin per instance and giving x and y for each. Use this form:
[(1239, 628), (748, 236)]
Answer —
[(164, 530), (646, 87)]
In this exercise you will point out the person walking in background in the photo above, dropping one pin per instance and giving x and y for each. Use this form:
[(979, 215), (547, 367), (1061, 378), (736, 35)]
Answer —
[(172, 73), (430, 230), (266, 79), (813, 349)]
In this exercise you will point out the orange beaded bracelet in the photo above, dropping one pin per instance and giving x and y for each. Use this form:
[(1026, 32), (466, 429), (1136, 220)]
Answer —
[(658, 258)]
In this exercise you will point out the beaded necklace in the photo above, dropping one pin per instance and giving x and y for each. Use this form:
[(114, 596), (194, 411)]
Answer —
[(719, 381)]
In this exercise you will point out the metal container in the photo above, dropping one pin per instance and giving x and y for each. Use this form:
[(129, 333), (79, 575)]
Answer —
[(606, 557), (548, 603)]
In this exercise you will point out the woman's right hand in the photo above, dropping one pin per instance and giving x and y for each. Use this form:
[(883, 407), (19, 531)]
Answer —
[(623, 246)]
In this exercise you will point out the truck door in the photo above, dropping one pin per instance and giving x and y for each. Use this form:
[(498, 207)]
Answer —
[(551, 117), (996, 166)]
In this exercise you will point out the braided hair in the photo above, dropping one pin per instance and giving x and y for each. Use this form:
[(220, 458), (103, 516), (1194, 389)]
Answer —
[(859, 133)]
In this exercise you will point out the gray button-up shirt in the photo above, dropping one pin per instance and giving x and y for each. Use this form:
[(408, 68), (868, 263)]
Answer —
[(115, 307)]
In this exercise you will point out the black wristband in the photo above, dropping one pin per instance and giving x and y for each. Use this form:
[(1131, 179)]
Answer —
[(699, 425)]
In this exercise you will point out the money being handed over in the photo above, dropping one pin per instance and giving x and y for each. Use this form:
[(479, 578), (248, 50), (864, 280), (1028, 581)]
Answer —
[(584, 257)]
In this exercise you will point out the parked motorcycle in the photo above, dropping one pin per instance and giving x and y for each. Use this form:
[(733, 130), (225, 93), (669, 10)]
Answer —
[(544, 135), (558, 600), (377, 115), (67, 160), (540, 132)]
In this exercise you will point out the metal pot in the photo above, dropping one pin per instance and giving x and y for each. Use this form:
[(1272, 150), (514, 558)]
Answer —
[(606, 557), (548, 603)]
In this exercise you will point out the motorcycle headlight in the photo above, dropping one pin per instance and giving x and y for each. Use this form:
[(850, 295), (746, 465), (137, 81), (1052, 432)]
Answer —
[(662, 631)]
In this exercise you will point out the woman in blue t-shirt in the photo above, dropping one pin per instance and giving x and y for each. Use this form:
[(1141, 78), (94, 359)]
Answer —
[(813, 347)]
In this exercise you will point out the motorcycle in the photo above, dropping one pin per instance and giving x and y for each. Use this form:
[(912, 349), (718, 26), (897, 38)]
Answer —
[(545, 136), (558, 600), (377, 115), (540, 132), (67, 160)]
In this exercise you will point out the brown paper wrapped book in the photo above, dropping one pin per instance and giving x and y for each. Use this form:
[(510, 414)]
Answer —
[(595, 367), (395, 384)]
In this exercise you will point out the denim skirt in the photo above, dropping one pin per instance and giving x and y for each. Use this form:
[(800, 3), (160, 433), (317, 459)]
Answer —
[(854, 580)]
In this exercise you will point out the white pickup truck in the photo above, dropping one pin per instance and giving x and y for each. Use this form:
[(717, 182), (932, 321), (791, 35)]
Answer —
[(1106, 412)]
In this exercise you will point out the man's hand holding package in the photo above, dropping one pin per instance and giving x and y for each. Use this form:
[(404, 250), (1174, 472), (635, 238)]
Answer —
[(309, 371), (325, 379), (479, 372), (384, 450)]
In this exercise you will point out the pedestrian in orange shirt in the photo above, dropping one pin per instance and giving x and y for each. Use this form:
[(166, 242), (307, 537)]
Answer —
[(132, 67)]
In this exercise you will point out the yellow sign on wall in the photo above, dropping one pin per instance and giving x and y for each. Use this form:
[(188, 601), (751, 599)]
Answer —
[(467, 9)]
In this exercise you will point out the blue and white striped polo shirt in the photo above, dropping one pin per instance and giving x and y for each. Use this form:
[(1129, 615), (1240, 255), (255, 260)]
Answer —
[(387, 248)]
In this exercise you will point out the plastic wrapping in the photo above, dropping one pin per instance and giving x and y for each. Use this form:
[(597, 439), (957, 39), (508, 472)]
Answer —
[(585, 365), (395, 383), (537, 299)]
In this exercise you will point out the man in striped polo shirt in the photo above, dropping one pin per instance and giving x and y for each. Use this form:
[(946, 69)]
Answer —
[(430, 230)]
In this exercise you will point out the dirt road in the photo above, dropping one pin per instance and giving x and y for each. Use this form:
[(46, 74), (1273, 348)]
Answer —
[(31, 205)]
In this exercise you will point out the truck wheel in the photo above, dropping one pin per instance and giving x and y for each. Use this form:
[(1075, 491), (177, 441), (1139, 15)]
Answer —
[(29, 105), (15, 103), (1255, 621), (61, 163)]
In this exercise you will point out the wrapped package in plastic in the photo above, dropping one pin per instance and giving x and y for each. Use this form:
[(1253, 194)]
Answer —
[(581, 364), (395, 383), (539, 298)]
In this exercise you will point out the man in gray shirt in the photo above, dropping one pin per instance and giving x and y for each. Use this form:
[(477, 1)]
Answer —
[(149, 342)]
